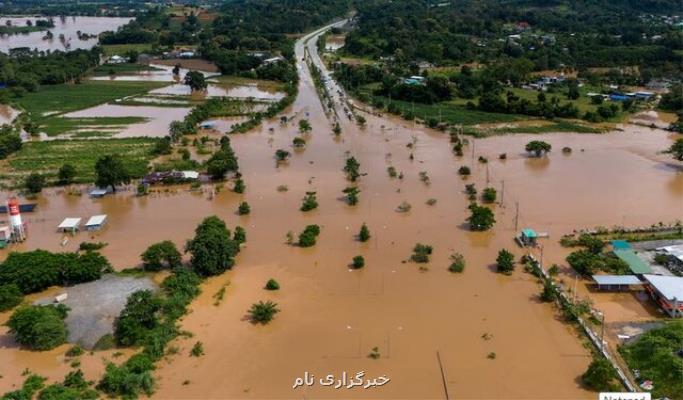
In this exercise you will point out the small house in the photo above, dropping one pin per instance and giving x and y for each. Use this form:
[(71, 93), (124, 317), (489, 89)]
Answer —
[(116, 59), (528, 237)]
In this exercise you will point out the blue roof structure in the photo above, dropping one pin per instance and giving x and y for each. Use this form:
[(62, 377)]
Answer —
[(620, 245), (530, 233)]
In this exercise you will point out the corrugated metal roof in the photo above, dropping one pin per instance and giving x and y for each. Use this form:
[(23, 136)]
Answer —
[(634, 262), (617, 280), (96, 220), (670, 287), (70, 223), (530, 233), (675, 251)]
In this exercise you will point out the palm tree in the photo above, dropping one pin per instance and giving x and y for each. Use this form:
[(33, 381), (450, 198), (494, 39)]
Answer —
[(263, 312)]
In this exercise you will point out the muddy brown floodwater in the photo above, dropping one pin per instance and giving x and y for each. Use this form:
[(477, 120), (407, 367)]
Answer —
[(331, 316), (69, 27)]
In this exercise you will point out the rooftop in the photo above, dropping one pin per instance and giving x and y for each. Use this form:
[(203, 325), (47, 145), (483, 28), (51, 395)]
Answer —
[(671, 287), (637, 265), (70, 223), (617, 280)]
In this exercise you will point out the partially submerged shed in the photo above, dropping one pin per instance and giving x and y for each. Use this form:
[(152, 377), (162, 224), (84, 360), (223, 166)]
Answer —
[(667, 292), (69, 225), (96, 222), (616, 282)]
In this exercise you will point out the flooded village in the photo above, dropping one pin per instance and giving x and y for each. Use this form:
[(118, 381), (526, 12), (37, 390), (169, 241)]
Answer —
[(427, 331)]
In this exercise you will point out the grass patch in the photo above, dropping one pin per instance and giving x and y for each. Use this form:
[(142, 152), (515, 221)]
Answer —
[(121, 49), (48, 156), (84, 127), (123, 69), (59, 99), (453, 113), (555, 126)]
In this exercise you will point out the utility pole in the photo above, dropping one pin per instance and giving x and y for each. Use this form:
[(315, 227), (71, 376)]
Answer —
[(502, 193), (602, 333), (516, 215), (487, 174), (472, 141)]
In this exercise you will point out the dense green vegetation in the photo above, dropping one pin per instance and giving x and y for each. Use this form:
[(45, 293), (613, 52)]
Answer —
[(49, 156), (474, 57), (37, 270), (247, 27), (39, 327), (598, 33), (150, 319), (657, 354), (592, 258), (161, 255), (24, 71)]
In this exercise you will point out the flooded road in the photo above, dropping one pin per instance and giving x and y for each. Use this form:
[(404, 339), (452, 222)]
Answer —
[(69, 27), (493, 336)]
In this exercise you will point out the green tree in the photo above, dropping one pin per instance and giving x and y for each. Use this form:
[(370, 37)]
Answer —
[(488, 195), (212, 250), (139, 316), (243, 208), (457, 263), (195, 80), (272, 284), (35, 183), (358, 262), (676, 150), (263, 312), (352, 169), (66, 174), (481, 218), (282, 155), (110, 171), (239, 186), (364, 234), (464, 171), (10, 296), (307, 238), (304, 126), (351, 193), (548, 292), (160, 255), (599, 376), (505, 262), (421, 253), (39, 327), (310, 202), (538, 147), (239, 235)]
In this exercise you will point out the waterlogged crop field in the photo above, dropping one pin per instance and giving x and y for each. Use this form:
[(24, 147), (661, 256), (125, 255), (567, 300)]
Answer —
[(59, 99), (47, 157)]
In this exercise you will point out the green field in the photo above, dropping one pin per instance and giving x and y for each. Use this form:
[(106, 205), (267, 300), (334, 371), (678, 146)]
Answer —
[(54, 126), (453, 113), (16, 30), (122, 69), (48, 156), (56, 100), (59, 99), (121, 49)]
